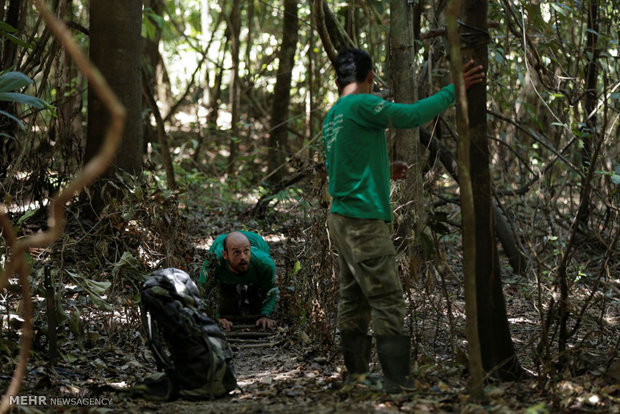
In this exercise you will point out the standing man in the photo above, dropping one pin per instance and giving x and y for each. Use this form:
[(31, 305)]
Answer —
[(359, 183), (245, 275)]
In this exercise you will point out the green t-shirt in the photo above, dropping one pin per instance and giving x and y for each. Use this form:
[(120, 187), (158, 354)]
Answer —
[(261, 271), (356, 149)]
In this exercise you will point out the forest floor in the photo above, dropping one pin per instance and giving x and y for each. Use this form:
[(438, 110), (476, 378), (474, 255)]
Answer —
[(102, 354)]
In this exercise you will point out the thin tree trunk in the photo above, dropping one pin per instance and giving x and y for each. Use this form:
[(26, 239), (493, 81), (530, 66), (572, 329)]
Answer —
[(468, 212), (498, 353), (590, 131), (162, 137), (153, 65), (235, 86), (407, 142), (282, 94), (589, 158)]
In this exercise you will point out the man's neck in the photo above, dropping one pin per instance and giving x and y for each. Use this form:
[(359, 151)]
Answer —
[(354, 88)]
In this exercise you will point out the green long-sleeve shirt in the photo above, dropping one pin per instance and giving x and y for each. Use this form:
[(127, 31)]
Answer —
[(261, 271), (356, 149)]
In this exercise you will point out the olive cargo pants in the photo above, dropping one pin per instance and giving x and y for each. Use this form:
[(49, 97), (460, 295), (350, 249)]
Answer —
[(369, 286)]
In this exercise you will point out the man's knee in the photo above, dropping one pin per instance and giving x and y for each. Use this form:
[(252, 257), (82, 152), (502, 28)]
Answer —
[(354, 323), (388, 313)]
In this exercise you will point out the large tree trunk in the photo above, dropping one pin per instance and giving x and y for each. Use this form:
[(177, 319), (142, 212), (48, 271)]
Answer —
[(282, 94), (116, 49), (498, 354)]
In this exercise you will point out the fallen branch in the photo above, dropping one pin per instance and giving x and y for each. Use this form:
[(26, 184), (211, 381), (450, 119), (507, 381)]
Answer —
[(248, 335)]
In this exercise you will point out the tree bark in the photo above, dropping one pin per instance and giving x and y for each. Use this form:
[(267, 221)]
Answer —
[(498, 354), (410, 220), (468, 211), (235, 86), (116, 49), (282, 94), (589, 132), (153, 70)]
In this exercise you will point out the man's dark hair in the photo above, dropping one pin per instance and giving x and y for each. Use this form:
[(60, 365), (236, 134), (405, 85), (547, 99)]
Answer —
[(352, 65)]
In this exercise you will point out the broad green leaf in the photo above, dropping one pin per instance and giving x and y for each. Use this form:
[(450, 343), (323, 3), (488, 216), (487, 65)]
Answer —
[(22, 99), (11, 81)]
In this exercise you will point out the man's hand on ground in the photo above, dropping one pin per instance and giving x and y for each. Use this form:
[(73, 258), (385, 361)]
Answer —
[(265, 323), (225, 324)]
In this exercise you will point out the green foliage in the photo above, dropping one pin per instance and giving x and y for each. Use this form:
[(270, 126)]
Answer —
[(613, 175), (6, 31), (151, 23), (13, 81), (540, 408), (26, 216)]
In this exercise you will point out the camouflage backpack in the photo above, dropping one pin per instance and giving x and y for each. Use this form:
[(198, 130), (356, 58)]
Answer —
[(195, 356)]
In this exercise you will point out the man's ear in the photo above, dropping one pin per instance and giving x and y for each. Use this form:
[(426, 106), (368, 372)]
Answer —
[(371, 77), (224, 254)]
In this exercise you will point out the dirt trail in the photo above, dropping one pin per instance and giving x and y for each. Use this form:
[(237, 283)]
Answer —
[(276, 373)]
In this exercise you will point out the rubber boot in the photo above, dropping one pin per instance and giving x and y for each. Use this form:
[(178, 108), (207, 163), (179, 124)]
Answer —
[(356, 352), (393, 352)]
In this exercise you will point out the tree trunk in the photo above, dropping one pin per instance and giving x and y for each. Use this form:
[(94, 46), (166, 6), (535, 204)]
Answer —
[(498, 354), (69, 120), (282, 94), (467, 204), (589, 132), (153, 70), (116, 49), (409, 222), (589, 157), (234, 87)]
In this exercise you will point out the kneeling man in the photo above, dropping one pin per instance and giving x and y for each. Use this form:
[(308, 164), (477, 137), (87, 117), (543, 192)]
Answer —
[(245, 275)]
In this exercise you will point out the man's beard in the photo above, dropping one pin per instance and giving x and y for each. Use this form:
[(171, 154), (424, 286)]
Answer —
[(242, 266)]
